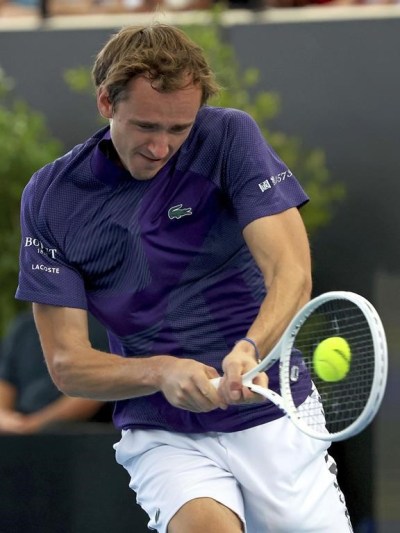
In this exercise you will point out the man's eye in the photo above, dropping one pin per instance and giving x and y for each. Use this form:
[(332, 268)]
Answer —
[(179, 129)]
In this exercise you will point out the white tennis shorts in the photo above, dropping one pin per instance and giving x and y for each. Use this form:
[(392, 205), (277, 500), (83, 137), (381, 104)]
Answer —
[(275, 478)]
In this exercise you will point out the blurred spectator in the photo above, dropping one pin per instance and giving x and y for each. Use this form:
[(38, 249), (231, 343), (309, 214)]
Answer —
[(29, 401), (122, 6), (49, 8), (302, 3), (15, 7)]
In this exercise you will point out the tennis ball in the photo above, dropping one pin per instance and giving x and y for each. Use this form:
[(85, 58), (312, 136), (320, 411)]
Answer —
[(332, 359)]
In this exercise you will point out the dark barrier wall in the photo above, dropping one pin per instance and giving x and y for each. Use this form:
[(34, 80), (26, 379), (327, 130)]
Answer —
[(339, 83), (65, 483), (340, 90)]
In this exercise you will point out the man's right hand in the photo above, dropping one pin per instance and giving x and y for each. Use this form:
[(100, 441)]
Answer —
[(186, 384)]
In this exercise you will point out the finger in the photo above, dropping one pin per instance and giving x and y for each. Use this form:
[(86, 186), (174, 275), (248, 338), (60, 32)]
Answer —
[(213, 396), (201, 400), (261, 379), (237, 393), (233, 384), (230, 391)]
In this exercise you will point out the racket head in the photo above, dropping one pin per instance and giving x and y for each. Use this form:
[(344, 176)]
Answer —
[(351, 403)]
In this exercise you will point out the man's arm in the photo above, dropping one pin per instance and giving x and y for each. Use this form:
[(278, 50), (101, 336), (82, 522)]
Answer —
[(77, 369), (279, 245), (64, 409), (10, 420), (61, 410)]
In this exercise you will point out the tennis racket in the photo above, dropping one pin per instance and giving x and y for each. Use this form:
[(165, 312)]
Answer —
[(343, 407)]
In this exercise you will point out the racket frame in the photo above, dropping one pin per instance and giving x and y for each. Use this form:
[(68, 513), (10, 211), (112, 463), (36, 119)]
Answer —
[(380, 373), (282, 353)]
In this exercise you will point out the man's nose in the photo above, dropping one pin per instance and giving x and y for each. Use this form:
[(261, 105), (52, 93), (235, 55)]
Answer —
[(158, 146)]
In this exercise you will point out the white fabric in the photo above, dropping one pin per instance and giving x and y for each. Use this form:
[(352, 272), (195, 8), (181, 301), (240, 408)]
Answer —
[(275, 478)]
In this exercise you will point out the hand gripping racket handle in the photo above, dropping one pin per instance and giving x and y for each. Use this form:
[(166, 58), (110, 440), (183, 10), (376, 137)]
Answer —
[(266, 393), (247, 379), (262, 366)]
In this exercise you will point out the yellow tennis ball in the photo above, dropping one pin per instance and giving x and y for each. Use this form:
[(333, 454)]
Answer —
[(332, 359)]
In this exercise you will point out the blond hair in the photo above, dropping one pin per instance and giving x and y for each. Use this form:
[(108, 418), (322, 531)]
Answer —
[(164, 54)]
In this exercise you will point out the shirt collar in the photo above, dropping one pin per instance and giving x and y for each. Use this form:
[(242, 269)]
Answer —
[(104, 166)]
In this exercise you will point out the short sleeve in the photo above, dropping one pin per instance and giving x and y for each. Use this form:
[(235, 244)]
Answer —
[(259, 183), (45, 276)]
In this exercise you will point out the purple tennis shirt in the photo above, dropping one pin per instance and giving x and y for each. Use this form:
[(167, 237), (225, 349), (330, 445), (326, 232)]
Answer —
[(162, 264)]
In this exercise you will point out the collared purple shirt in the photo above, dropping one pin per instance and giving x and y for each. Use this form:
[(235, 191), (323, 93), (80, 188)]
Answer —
[(162, 263)]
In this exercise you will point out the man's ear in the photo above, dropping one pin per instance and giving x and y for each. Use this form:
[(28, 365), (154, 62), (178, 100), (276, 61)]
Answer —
[(103, 103)]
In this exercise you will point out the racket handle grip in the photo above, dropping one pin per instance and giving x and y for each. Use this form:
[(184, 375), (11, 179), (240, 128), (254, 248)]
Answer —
[(248, 381), (215, 382)]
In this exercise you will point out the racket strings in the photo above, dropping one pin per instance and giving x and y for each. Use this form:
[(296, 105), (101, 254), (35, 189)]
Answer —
[(342, 401)]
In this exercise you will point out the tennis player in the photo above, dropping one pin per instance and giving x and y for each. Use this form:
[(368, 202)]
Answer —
[(178, 227)]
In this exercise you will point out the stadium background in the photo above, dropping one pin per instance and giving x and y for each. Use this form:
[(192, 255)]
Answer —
[(339, 82)]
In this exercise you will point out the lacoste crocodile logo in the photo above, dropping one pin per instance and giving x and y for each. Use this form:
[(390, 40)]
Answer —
[(178, 211)]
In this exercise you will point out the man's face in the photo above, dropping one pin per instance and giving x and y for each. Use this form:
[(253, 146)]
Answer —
[(149, 127)]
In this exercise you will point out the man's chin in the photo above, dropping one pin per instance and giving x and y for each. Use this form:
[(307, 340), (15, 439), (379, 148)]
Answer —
[(144, 174)]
